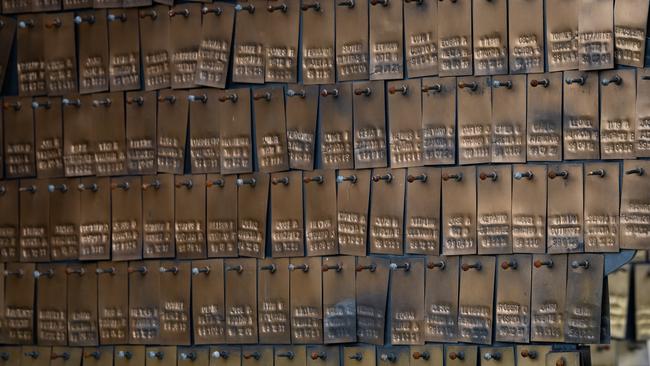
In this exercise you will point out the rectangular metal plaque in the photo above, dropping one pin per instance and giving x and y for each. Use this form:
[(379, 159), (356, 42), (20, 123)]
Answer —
[(526, 36), (584, 298), (512, 313), (184, 28), (214, 50), (235, 131), (548, 298), (490, 33), (95, 218), (320, 213), (619, 300), (78, 136), (144, 303), (110, 134), (386, 40), (270, 130), (30, 55), (455, 38), (564, 228), (422, 221), (19, 303), (34, 221), (352, 200), (189, 216), (630, 22), (474, 121), (562, 34), (82, 305), (281, 44), (301, 108), (19, 156), (273, 301), (9, 222), (335, 130), (617, 113), (113, 302), (221, 215), (475, 303), (305, 278), (641, 301), (581, 116), (441, 299), (635, 205), (642, 126), (529, 208), (351, 45), (208, 302), (421, 37), (494, 207), (241, 300), (126, 218), (156, 51), (438, 120), (249, 46), (48, 137), (405, 123), (124, 49), (93, 51), (407, 301), (601, 210), (252, 207), (59, 51), (369, 124), (287, 233), (174, 302), (158, 216), (459, 217), (544, 117), (317, 45), (65, 211), (339, 305), (172, 130), (371, 294), (596, 34), (508, 119), (51, 305), (386, 223)]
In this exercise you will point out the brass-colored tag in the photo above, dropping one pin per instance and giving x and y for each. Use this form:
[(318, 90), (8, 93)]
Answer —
[(175, 323), (421, 36), (34, 221), (441, 299), (124, 47), (216, 39), (494, 207), (455, 38), (548, 299), (369, 125), (352, 200), (126, 218), (19, 303), (94, 59), (208, 302), (158, 216), (235, 131), (161, 356), (189, 216), (94, 218), (7, 37), (65, 215), (19, 156), (407, 301), (601, 207), (474, 121), (59, 51), (580, 116), (475, 304), (641, 301), (51, 306), (617, 113), (508, 119), (9, 222), (387, 211), (562, 34), (630, 21), (351, 45), (35, 356), (596, 34), (526, 36), (301, 108), (273, 301), (129, 355), (386, 40), (405, 123), (461, 355), (642, 125), (156, 50), (287, 235), (305, 278), (173, 110), (204, 131), (270, 129), (113, 302), (335, 130), (323, 356), (141, 128), (184, 28), (221, 215), (619, 300), (144, 303), (82, 305), (339, 306), (290, 356), (635, 203), (65, 356), (438, 121), (48, 137), (317, 45), (529, 208), (564, 228), (422, 221), (459, 216), (241, 300), (584, 298), (110, 135), (249, 55), (320, 213), (531, 355), (252, 205), (490, 33), (512, 314), (544, 117), (281, 42), (371, 293), (30, 54), (78, 136)]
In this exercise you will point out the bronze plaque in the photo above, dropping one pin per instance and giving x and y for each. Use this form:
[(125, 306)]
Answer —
[(97, 356), (204, 131), (455, 38), (421, 37), (184, 41), (156, 51), (305, 278), (512, 313), (531, 355), (635, 205), (126, 218), (601, 210), (51, 306), (301, 108), (630, 22), (34, 221), (386, 40), (235, 131), (270, 129), (641, 301), (461, 355), (92, 45), (290, 355), (124, 49), (438, 121), (144, 304), (387, 211), (287, 233), (110, 135), (359, 355), (197, 356), (508, 119), (189, 216), (161, 356), (352, 46), (94, 218), (398, 356), (216, 40), (65, 211), (158, 216), (642, 125), (66, 356), (474, 121), (529, 208), (458, 216), (82, 305), (526, 36), (317, 45), (78, 136), (7, 37), (335, 131), (547, 311), (544, 117), (129, 355), (564, 228), (323, 356), (273, 301), (252, 207), (619, 300), (369, 124), (596, 34), (175, 308), (30, 55), (490, 33), (221, 215), (580, 116), (352, 200), (241, 300), (9, 221), (19, 303), (494, 225), (405, 123), (617, 113), (475, 303), (562, 34), (35, 356), (281, 44), (48, 137), (225, 356), (584, 298), (407, 301), (320, 213), (339, 305), (208, 302), (371, 293), (19, 156), (422, 226), (59, 51), (248, 49), (441, 299), (113, 302), (172, 119)]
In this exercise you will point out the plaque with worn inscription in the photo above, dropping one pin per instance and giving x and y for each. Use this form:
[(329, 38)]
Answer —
[(273, 301), (13, 7), (393, 355), (490, 34), (7, 36), (241, 300), (339, 305), (221, 215), (113, 302), (235, 131), (59, 51), (474, 121), (189, 216), (352, 50), (596, 34), (270, 130), (173, 106), (581, 116), (301, 108), (386, 221), (34, 221), (421, 37), (352, 200), (94, 218), (371, 293), (512, 313), (359, 355), (98, 356), (144, 303), (184, 28), (475, 300), (544, 117), (405, 123), (407, 301), (107, 114), (9, 222), (208, 302), (635, 205), (77, 4), (19, 303), (323, 356), (369, 124), (529, 208), (65, 210), (216, 39), (438, 121), (642, 125), (155, 47), (249, 55), (584, 298), (51, 305), (601, 207), (30, 55), (78, 136), (252, 205), (281, 42), (161, 356), (548, 298), (39, 6), (124, 49), (141, 128), (126, 218), (317, 45), (19, 155), (619, 300), (48, 137), (225, 356), (386, 40), (531, 355), (320, 213), (335, 130), (305, 278), (617, 113), (82, 305), (641, 301), (494, 225), (136, 3), (630, 22), (455, 38), (422, 214), (174, 302), (526, 36), (457, 355), (441, 299), (508, 119), (65, 356), (107, 4), (35, 356), (287, 235), (92, 47), (458, 216), (158, 216), (564, 227), (562, 34)]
